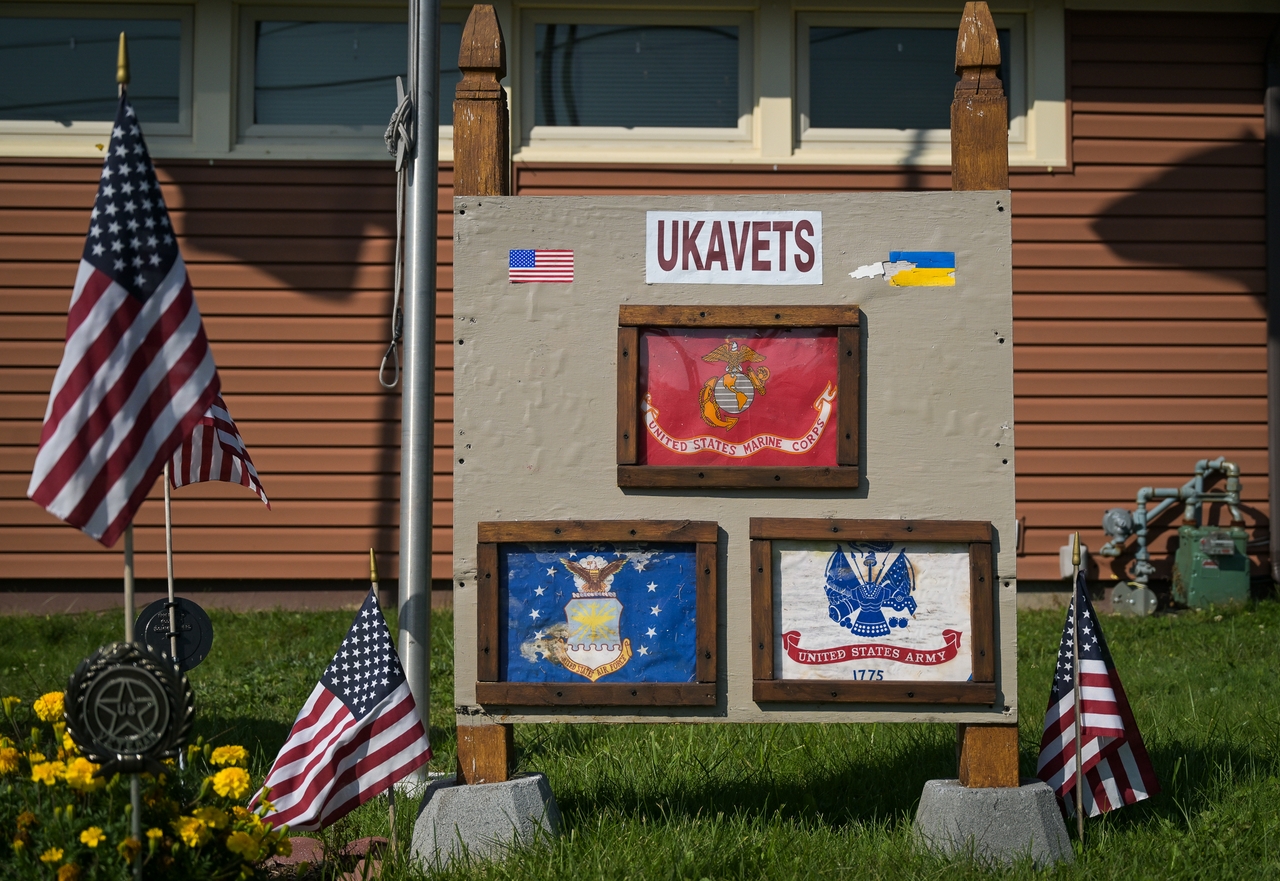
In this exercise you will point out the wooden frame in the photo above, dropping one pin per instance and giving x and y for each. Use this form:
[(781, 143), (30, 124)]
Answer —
[(978, 535), (491, 690), (632, 320)]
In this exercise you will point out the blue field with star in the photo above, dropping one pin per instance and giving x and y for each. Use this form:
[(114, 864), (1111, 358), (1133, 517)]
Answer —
[(616, 612)]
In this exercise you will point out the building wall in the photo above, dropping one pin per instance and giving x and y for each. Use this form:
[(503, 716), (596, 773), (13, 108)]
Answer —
[(1139, 337)]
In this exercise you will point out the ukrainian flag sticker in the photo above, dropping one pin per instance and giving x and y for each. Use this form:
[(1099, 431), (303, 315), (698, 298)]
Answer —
[(921, 268)]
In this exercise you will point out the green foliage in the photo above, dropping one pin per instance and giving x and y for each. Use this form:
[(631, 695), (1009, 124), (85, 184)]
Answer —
[(60, 818), (786, 801)]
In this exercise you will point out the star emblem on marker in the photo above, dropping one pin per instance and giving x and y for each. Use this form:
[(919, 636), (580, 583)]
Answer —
[(644, 650), (654, 610), (539, 590), (551, 570), (534, 614), (651, 633), (652, 587)]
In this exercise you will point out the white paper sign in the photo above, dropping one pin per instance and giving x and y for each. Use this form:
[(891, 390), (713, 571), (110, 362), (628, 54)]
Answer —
[(896, 614), (733, 247)]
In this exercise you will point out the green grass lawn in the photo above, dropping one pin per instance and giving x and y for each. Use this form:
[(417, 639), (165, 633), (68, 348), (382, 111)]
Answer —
[(785, 801)]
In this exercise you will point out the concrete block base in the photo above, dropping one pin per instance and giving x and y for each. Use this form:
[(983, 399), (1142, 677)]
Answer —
[(485, 819), (994, 825)]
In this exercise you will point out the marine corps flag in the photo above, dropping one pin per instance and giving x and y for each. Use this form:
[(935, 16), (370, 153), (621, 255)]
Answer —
[(755, 396)]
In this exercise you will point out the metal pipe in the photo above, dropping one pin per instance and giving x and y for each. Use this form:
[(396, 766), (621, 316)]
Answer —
[(418, 391)]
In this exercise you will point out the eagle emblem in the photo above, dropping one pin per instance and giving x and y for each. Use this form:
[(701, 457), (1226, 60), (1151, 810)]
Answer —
[(723, 398), (857, 601), (594, 646)]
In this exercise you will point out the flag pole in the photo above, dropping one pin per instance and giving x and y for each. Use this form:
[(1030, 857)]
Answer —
[(172, 605), (135, 784), (391, 791), (1075, 669)]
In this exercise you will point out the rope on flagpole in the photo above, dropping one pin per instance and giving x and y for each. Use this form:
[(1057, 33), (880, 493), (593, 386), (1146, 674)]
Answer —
[(1075, 668), (399, 141)]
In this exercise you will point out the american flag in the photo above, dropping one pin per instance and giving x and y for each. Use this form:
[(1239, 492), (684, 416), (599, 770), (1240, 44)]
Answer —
[(215, 451), (540, 265), (1117, 769), (359, 732), (136, 372)]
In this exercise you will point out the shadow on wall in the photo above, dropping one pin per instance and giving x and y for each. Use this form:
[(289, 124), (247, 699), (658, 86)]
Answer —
[(319, 233), (1203, 216)]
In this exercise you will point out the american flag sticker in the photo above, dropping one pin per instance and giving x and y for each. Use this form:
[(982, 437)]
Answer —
[(540, 265)]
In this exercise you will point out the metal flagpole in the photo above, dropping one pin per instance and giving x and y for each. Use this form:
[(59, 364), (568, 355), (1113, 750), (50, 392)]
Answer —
[(1075, 668), (172, 605), (135, 785), (391, 791), (418, 391)]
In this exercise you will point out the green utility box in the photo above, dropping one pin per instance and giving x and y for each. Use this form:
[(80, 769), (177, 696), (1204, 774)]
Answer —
[(1211, 566)]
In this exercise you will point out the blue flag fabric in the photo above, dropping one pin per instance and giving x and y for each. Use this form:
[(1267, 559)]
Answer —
[(599, 612)]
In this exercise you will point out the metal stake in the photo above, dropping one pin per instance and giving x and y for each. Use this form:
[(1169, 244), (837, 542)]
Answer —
[(1075, 669), (128, 583), (172, 605), (418, 393)]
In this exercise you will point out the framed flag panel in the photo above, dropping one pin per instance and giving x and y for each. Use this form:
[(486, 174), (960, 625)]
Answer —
[(738, 396), (875, 611), (597, 613)]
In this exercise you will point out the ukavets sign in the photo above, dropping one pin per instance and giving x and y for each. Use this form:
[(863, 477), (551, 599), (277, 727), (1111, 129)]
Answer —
[(875, 651), (738, 396), (733, 247)]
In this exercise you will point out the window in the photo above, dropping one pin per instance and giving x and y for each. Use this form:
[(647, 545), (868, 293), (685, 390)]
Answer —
[(625, 81), (58, 68), (670, 76), (878, 87), (905, 77), (332, 76)]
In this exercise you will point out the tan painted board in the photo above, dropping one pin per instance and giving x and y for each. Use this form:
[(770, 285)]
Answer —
[(535, 393)]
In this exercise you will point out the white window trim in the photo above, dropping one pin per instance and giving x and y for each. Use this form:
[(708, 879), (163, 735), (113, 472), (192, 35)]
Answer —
[(82, 137), (614, 143)]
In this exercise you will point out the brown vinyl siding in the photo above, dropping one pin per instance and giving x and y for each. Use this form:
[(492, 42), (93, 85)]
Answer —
[(1139, 314), (291, 265)]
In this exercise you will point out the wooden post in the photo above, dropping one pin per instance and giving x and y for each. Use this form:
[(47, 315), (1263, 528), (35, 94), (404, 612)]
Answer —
[(482, 167), (988, 754)]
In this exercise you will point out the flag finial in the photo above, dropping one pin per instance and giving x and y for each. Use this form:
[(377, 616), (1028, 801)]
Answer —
[(1075, 549), (373, 566), (122, 62)]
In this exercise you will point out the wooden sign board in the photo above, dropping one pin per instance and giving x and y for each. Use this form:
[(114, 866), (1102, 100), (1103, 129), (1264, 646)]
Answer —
[(572, 314)]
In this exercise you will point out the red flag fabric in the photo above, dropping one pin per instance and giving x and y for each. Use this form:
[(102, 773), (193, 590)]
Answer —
[(738, 397), (136, 372), (1117, 769), (215, 451), (358, 733)]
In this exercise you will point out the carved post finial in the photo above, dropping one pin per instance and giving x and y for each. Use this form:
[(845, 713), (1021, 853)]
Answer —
[(481, 123), (979, 111)]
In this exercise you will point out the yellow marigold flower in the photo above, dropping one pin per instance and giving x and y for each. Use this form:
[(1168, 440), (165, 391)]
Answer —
[(25, 819), (192, 831), (8, 760), (92, 836), (69, 872), (128, 849), (52, 855), (229, 755), (48, 707), (214, 818), (79, 775), (48, 773), (35, 758), (69, 745), (243, 844), (18, 844), (231, 783), (153, 833)]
